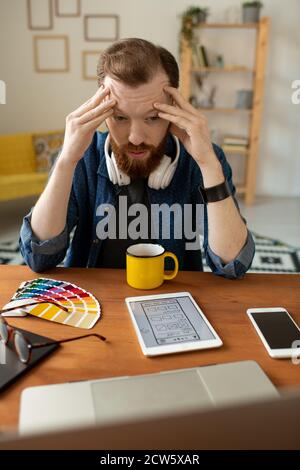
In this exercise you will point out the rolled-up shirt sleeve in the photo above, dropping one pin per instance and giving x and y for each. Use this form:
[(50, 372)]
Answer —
[(41, 255), (45, 247), (236, 268)]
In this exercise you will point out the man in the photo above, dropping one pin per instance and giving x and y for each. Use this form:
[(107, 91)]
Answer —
[(157, 154)]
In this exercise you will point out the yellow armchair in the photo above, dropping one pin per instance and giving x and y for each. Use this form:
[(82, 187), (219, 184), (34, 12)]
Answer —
[(19, 175)]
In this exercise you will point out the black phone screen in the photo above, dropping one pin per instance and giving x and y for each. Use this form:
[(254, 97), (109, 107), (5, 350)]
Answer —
[(278, 329)]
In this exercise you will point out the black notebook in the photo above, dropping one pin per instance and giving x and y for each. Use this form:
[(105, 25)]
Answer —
[(11, 368)]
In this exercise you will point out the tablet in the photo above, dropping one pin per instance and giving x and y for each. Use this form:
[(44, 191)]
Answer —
[(170, 323)]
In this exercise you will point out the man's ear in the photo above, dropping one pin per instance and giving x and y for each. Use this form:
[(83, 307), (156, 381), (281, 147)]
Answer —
[(171, 100)]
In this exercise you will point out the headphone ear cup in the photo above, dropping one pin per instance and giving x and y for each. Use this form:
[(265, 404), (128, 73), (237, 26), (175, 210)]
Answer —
[(111, 170), (115, 175), (167, 177), (170, 170), (157, 177)]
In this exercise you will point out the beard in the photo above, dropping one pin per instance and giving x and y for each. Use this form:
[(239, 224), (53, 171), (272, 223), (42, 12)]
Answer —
[(137, 168)]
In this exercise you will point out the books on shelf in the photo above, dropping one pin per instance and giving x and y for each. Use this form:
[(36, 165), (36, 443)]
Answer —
[(200, 56), (235, 148), (202, 51), (235, 140), (235, 144), (195, 56)]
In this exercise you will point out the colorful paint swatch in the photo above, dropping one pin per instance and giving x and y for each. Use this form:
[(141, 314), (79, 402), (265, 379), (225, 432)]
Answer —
[(57, 301)]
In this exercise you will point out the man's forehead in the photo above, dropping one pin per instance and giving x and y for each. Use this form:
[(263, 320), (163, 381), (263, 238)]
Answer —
[(145, 94)]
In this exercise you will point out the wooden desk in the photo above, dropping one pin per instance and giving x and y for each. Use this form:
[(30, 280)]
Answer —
[(223, 301)]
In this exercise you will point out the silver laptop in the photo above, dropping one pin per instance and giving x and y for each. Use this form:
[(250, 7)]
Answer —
[(123, 399)]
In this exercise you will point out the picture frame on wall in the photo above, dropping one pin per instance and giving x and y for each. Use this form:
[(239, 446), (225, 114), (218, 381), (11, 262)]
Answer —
[(89, 64), (67, 8), (51, 54), (39, 14), (108, 25)]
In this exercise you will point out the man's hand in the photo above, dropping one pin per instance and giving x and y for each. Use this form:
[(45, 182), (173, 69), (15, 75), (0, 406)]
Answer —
[(82, 123), (227, 232), (190, 126)]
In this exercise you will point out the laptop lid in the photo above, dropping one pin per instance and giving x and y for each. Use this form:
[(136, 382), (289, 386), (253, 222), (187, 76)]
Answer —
[(120, 399), (264, 424)]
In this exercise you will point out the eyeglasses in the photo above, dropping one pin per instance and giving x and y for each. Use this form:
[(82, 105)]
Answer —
[(24, 347)]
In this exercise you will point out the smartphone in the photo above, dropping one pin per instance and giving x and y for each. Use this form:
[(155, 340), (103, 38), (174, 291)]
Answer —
[(277, 330)]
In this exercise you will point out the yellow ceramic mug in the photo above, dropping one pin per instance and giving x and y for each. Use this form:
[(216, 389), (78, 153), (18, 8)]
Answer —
[(145, 265)]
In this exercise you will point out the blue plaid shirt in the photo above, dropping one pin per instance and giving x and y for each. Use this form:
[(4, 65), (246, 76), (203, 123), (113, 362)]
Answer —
[(92, 187)]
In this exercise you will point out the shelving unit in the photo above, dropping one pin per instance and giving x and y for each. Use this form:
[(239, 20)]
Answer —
[(258, 77), (227, 110), (231, 68)]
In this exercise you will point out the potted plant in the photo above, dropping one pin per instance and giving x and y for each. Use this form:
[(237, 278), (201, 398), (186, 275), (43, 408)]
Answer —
[(190, 18), (251, 11), (197, 14)]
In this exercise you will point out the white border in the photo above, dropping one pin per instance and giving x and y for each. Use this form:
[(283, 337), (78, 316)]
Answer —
[(174, 348)]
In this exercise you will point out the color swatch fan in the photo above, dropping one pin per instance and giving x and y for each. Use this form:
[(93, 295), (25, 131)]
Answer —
[(57, 301)]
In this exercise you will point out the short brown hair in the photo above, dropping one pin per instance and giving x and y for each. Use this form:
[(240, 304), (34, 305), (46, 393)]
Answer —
[(135, 61)]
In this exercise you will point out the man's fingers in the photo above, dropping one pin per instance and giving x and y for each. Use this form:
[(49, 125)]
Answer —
[(166, 108), (95, 123), (180, 121), (97, 111), (100, 94), (178, 98)]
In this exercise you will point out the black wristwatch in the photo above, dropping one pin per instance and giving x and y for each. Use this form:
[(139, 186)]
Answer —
[(215, 193)]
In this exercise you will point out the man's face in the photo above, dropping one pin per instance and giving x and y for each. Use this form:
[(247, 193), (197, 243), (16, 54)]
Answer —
[(138, 135)]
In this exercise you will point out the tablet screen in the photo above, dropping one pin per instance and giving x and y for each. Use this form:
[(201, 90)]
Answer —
[(170, 321)]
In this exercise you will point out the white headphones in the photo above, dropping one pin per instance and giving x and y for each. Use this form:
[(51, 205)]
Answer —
[(160, 178)]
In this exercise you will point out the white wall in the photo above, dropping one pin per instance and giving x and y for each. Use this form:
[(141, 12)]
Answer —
[(38, 102)]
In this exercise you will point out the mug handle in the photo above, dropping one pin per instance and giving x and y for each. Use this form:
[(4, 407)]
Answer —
[(168, 254)]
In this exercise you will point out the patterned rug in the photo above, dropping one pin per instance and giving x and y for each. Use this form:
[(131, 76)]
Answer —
[(271, 256)]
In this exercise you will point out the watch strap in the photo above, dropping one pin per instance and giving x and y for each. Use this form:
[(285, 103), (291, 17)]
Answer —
[(215, 193)]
